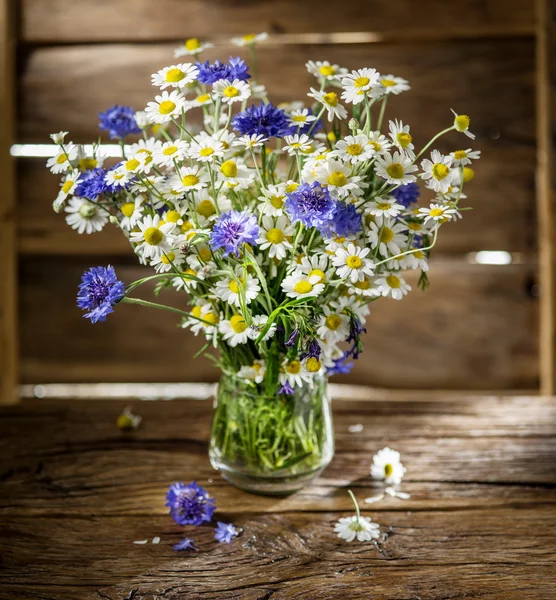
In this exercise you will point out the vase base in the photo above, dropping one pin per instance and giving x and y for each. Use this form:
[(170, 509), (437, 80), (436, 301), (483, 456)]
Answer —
[(267, 486)]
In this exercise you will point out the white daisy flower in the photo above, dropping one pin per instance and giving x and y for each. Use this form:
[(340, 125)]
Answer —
[(254, 372), (358, 85), (192, 47), (382, 208), (58, 138), (250, 39), (205, 207), (177, 76), (338, 179), (152, 238), (205, 148), (236, 175), (189, 178), (379, 143), (119, 177), (163, 263), (165, 107), (363, 287), (257, 325), (168, 152), (84, 216), (231, 91), (297, 143), (464, 157), (437, 172), (362, 528), (389, 236), (393, 85), (132, 213), (332, 326), (203, 319), (324, 71), (392, 286), (200, 100), (235, 330), (188, 283), (272, 203), (437, 212), (317, 264), (67, 188), (300, 285), (400, 136), (415, 260), (142, 119), (62, 161), (387, 467), (293, 372), (351, 263), (250, 141), (461, 124), (229, 290), (301, 117), (354, 149), (330, 101), (396, 168), (274, 236)]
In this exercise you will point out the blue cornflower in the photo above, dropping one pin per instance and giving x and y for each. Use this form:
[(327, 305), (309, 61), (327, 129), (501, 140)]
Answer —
[(355, 330), (345, 221), (189, 504), (313, 350), (407, 194), (292, 338), (233, 229), (341, 367), (286, 389), (119, 121), (186, 544), (225, 532), (211, 73), (418, 241), (311, 204), (262, 119), (92, 184), (99, 291), (238, 69)]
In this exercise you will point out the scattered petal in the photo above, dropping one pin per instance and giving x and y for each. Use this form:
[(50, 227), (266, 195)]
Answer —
[(156, 540), (373, 499), (355, 428), (225, 532), (141, 542), (185, 544)]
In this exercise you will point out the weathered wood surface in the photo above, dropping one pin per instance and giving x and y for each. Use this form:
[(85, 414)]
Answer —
[(55, 21), (481, 521), (474, 328)]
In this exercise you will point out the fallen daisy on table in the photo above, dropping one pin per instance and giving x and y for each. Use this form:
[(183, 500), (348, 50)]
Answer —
[(387, 466), (128, 420), (356, 526)]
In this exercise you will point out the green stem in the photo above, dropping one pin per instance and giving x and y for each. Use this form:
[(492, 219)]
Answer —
[(355, 504), (432, 141)]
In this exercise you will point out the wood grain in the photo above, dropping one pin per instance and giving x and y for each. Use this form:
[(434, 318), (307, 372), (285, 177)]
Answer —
[(55, 21), (546, 183), (8, 259), (473, 329), (76, 492)]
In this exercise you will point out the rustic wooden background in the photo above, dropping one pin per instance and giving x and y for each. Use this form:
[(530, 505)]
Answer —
[(476, 328)]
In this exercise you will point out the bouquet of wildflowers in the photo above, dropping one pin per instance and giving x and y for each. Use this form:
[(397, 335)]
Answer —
[(278, 225)]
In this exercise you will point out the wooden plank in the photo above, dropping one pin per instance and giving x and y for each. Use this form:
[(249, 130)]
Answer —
[(501, 219), (66, 87), (471, 330), (8, 294), (546, 185), (55, 21)]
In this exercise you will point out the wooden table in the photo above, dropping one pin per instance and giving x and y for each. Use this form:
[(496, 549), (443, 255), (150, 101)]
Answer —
[(76, 492)]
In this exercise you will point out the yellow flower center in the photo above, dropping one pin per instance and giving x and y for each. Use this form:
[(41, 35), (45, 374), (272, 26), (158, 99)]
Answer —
[(87, 163), (238, 324), (354, 262), (363, 285), (67, 186), (170, 150), (196, 311), (320, 273), (462, 122), (327, 70), (440, 171), (206, 151), (299, 118), (468, 174), (127, 208), (190, 272), (250, 37), (277, 201), (331, 136), (361, 82), (203, 98), (293, 367), (166, 107), (233, 286), (459, 154), (388, 82), (206, 209), (153, 236), (354, 149), (375, 145), (211, 318), (303, 287), (419, 255), (190, 180), (414, 226), (275, 236), (205, 254), (168, 258), (436, 212), (393, 281), (231, 92), (395, 170), (404, 139), (185, 227), (313, 365), (291, 187), (174, 75), (132, 164), (62, 158), (388, 470), (333, 322), (387, 235), (173, 216), (229, 168), (331, 98), (383, 205), (337, 179), (192, 44)]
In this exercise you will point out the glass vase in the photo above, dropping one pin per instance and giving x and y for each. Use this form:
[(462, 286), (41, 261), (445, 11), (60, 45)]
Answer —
[(272, 445)]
